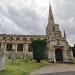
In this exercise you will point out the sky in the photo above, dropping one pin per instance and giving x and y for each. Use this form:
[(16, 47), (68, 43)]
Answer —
[(31, 17)]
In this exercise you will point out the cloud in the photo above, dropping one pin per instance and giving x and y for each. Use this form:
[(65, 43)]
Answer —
[(30, 16), (25, 18), (6, 26)]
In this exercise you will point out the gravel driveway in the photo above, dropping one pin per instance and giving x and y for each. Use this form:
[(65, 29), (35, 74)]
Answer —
[(61, 73), (53, 69)]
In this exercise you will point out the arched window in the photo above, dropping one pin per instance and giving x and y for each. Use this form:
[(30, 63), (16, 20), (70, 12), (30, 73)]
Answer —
[(4, 38), (38, 38), (17, 38), (24, 39), (11, 38), (31, 39)]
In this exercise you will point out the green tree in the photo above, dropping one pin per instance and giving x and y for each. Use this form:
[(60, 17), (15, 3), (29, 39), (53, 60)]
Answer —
[(73, 48), (39, 49)]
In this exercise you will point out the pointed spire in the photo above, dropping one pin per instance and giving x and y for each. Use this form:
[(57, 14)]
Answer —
[(64, 34), (51, 18)]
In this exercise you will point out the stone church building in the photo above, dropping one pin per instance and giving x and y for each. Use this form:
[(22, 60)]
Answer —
[(57, 49)]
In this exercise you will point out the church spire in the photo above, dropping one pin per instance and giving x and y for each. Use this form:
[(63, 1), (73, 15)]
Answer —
[(64, 34), (51, 18)]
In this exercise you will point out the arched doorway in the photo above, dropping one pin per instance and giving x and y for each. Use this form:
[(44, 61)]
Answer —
[(58, 55)]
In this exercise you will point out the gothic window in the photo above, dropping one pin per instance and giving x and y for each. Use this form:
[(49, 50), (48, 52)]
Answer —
[(9, 47), (4, 38), (30, 48), (20, 47), (24, 39), (31, 39), (17, 38), (38, 38), (11, 38)]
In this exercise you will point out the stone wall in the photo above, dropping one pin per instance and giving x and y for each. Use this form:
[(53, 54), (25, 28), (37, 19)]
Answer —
[(14, 40)]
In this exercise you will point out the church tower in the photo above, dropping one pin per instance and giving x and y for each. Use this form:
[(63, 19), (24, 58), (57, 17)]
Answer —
[(50, 26), (51, 18), (58, 47), (52, 29)]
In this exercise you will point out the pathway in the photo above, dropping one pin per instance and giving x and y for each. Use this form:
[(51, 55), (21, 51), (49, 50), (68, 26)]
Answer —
[(54, 68)]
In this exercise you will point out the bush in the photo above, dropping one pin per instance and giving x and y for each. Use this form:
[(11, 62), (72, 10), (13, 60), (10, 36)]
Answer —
[(39, 49)]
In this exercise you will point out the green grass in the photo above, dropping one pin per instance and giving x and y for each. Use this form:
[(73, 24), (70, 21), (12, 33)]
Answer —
[(21, 68)]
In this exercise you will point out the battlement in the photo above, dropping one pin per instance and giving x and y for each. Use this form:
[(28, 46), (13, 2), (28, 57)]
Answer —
[(21, 35)]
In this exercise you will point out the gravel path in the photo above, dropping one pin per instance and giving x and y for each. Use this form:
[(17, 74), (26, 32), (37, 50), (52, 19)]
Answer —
[(61, 73), (55, 68)]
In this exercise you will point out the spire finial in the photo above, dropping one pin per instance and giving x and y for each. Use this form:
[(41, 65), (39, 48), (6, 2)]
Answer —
[(64, 34), (51, 18)]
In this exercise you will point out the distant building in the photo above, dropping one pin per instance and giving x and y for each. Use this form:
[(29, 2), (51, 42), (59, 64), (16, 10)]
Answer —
[(57, 47)]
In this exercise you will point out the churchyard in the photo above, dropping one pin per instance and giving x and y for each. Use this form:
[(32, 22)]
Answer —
[(23, 65), (21, 68)]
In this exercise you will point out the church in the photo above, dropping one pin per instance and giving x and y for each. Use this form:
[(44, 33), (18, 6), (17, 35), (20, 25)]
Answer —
[(58, 49)]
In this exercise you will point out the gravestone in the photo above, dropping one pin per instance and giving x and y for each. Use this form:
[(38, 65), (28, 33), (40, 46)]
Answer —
[(2, 59), (13, 56), (2, 62)]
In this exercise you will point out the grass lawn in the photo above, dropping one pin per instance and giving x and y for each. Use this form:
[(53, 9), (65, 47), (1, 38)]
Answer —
[(21, 68)]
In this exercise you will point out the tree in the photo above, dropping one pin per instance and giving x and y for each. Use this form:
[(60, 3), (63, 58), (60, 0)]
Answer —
[(73, 48), (39, 48)]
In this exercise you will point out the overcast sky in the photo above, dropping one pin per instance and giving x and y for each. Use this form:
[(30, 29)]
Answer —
[(30, 16)]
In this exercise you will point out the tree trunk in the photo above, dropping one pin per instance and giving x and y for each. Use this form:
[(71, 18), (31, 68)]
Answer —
[(38, 61)]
